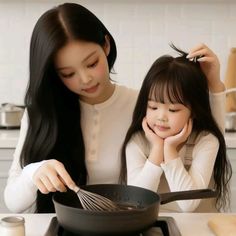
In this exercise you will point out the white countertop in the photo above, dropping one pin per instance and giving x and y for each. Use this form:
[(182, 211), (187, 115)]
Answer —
[(9, 138), (193, 224), (230, 139)]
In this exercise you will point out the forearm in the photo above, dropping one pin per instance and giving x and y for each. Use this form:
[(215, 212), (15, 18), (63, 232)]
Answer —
[(179, 179), (148, 176), (217, 102), (156, 155), (20, 192)]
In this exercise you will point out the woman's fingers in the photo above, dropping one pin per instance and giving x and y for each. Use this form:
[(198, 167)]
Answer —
[(65, 177), (40, 185), (199, 48), (48, 184), (52, 176)]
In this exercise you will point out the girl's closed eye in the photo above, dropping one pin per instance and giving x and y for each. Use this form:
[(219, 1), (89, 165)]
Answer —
[(152, 106), (174, 110)]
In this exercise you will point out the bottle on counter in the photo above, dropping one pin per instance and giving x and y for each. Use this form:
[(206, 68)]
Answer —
[(12, 226)]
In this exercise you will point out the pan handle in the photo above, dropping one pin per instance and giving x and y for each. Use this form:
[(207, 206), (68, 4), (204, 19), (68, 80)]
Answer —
[(187, 195)]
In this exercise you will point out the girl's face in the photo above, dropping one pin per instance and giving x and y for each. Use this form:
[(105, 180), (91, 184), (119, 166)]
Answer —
[(166, 119), (83, 68)]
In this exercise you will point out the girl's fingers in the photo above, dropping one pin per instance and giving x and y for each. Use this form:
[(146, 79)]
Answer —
[(190, 126)]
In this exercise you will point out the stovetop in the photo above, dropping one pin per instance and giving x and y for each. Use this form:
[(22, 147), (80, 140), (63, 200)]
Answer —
[(165, 226)]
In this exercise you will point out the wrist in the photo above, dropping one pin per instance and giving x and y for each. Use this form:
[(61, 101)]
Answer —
[(170, 153), (216, 87)]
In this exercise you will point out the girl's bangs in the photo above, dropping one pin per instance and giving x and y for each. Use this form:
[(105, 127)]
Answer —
[(167, 89)]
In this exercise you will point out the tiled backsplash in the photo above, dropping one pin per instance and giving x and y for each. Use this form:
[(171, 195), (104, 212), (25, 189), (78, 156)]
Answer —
[(142, 30)]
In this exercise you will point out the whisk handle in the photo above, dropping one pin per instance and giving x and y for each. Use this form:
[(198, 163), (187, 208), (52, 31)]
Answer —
[(76, 189)]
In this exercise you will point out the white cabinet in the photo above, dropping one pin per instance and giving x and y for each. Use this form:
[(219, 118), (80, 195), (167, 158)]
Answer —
[(232, 157), (6, 156)]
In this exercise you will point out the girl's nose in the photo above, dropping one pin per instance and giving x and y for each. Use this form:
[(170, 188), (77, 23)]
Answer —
[(162, 119)]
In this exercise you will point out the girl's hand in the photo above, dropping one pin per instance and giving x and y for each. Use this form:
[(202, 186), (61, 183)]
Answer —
[(156, 155), (173, 143), (150, 135), (52, 176), (210, 66)]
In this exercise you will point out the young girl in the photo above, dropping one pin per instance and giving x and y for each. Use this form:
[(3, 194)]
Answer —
[(174, 143), (76, 118)]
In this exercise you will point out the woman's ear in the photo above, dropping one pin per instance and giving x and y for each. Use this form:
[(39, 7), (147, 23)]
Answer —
[(106, 46)]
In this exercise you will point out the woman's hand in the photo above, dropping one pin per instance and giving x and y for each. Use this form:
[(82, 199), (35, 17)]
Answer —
[(210, 66), (172, 144), (52, 176), (156, 154)]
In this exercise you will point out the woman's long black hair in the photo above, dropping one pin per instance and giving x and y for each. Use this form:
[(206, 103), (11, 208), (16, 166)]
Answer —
[(54, 112), (185, 83)]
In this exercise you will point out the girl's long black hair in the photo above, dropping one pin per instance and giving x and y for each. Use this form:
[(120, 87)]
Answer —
[(185, 83), (54, 112)]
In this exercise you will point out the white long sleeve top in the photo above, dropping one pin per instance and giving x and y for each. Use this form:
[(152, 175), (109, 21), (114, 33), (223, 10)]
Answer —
[(104, 127), (173, 175)]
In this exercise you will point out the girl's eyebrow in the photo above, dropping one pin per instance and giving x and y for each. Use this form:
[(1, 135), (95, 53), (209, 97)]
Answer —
[(85, 59)]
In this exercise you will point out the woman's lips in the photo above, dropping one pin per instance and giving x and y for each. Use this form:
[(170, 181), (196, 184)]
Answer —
[(92, 89)]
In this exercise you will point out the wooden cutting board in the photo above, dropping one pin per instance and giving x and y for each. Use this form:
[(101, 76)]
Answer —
[(230, 81), (223, 225)]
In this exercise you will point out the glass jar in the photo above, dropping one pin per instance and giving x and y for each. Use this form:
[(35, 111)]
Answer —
[(12, 226)]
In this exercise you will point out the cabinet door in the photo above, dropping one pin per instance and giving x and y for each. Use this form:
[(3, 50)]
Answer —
[(6, 156), (232, 157)]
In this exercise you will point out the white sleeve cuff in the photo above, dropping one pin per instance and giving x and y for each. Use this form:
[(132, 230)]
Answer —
[(30, 169)]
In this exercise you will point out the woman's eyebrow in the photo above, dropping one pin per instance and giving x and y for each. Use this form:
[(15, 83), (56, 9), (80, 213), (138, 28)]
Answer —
[(85, 59), (91, 54)]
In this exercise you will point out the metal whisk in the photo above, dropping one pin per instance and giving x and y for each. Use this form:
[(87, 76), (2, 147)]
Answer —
[(94, 202)]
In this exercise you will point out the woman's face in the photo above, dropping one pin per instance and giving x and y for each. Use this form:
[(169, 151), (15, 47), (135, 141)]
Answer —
[(83, 68), (166, 119)]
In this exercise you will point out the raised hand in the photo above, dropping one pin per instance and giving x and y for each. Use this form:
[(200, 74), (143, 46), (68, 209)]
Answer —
[(210, 65)]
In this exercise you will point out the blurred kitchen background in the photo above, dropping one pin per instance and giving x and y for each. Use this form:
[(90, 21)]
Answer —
[(142, 30)]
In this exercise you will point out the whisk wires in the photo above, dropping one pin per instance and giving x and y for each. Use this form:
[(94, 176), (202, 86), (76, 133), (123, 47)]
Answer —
[(95, 202)]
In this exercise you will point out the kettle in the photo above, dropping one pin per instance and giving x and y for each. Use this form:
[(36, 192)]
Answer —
[(11, 115)]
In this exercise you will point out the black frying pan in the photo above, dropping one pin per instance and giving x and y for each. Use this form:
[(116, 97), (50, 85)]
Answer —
[(143, 213)]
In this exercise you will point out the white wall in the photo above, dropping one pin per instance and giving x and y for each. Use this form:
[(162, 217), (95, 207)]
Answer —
[(142, 29)]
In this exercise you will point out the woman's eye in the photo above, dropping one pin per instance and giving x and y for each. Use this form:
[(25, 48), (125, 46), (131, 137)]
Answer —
[(66, 76), (93, 64)]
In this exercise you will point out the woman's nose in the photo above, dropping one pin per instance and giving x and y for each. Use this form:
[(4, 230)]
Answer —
[(85, 78)]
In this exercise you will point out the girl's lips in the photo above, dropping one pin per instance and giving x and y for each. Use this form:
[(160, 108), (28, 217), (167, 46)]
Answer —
[(162, 128), (92, 89)]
